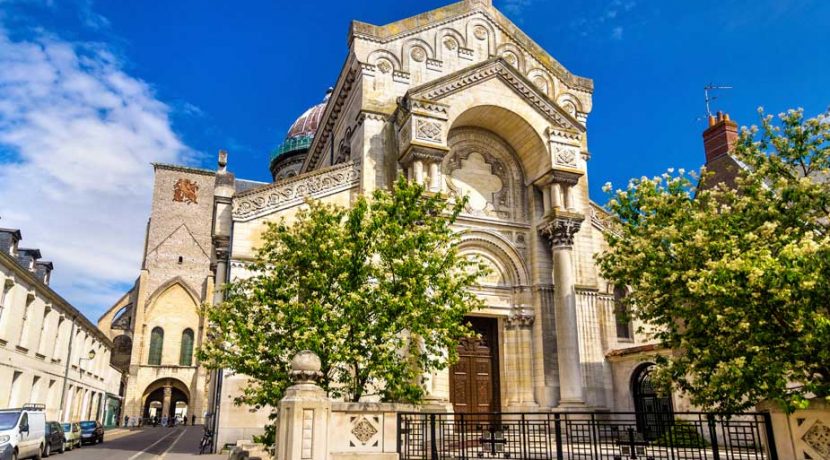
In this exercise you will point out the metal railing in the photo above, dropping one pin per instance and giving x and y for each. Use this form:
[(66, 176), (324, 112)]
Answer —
[(586, 436)]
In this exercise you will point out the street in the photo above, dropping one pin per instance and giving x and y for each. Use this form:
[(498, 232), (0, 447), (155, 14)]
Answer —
[(144, 444)]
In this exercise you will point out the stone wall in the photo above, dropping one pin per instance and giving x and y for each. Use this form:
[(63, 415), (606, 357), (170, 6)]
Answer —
[(804, 434)]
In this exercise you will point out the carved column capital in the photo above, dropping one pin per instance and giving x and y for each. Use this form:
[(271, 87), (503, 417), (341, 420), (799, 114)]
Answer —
[(521, 316), (561, 227)]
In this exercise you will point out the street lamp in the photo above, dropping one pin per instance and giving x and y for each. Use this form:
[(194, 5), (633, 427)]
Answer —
[(91, 356)]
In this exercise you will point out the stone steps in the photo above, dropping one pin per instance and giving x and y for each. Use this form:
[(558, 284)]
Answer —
[(249, 450)]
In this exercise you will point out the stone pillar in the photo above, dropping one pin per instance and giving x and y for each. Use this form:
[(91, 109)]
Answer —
[(560, 227), (304, 412), (167, 400), (519, 325), (434, 177)]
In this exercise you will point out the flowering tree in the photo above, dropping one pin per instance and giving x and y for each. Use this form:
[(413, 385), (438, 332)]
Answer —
[(379, 291), (736, 280)]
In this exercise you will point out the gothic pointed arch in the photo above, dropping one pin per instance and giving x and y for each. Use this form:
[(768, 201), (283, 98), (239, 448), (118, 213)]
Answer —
[(167, 285)]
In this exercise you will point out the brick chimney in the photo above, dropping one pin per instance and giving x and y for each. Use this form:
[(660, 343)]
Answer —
[(719, 137), (9, 237)]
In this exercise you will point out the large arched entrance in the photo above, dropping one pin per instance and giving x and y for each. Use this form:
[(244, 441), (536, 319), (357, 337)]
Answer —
[(166, 397), (654, 411)]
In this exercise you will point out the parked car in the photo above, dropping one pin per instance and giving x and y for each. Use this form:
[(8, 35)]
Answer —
[(92, 432), (72, 433), (23, 430), (55, 440)]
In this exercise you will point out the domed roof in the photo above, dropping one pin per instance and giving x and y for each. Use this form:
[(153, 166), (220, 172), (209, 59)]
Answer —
[(302, 131), (307, 124)]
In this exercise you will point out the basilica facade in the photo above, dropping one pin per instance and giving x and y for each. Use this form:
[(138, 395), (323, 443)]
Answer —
[(460, 100)]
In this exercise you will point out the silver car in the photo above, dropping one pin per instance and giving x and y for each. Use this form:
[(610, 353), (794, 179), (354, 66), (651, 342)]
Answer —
[(72, 431)]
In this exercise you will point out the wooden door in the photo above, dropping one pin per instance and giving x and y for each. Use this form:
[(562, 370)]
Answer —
[(474, 383)]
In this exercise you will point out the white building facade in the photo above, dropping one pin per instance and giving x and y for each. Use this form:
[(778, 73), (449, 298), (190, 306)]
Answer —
[(49, 352), (460, 100)]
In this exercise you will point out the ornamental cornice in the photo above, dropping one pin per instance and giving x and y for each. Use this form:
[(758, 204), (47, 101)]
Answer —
[(290, 192), (498, 68), (558, 134), (426, 107), (561, 227), (516, 37), (333, 110), (423, 153)]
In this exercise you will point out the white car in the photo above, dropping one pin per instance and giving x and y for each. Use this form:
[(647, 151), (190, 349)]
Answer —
[(24, 430), (72, 431)]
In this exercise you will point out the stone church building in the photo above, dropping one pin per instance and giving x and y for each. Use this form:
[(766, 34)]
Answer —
[(460, 100)]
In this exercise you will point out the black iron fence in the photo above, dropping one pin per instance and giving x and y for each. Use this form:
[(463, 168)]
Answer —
[(586, 436)]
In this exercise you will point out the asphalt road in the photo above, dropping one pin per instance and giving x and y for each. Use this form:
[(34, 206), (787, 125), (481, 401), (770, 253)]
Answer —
[(150, 443)]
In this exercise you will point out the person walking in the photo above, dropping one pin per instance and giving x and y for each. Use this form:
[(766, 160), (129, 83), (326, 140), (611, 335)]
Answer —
[(193, 419)]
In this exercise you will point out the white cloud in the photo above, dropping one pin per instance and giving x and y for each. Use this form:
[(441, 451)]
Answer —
[(516, 8), (77, 135), (617, 33)]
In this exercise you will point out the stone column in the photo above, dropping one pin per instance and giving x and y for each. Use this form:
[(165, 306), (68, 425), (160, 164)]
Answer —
[(434, 177), (167, 400), (302, 433), (519, 324), (560, 227)]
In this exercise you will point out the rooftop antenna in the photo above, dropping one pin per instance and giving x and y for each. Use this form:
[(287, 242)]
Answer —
[(709, 98)]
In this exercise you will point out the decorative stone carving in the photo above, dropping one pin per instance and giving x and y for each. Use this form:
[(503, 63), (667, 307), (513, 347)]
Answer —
[(509, 203), (293, 191), (565, 156), (307, 441), (450, 43), (569, 107), (521, 316), (384, 66), (480, 32), (476, 180), (499, 68), (510, 58), (540, 83), (418, 54), (185, 190), (561, 228), (818, 437), (363, 430), (305, 367), (428, 130)]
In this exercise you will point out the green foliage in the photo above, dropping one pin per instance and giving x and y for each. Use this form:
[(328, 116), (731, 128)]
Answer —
[(681, 434), (735, 279), (269, 437), (378, 291)]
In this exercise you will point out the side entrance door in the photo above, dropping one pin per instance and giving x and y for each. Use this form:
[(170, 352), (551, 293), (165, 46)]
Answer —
[(474, 379)]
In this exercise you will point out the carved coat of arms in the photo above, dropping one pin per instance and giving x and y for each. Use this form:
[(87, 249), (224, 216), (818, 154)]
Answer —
[(185, 191)]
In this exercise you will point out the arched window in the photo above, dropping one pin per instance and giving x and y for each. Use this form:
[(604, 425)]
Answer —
[(186, 356), (156, 344), (621, 315)]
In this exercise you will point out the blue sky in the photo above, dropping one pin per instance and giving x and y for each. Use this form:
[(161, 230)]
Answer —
[(91, 92)]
